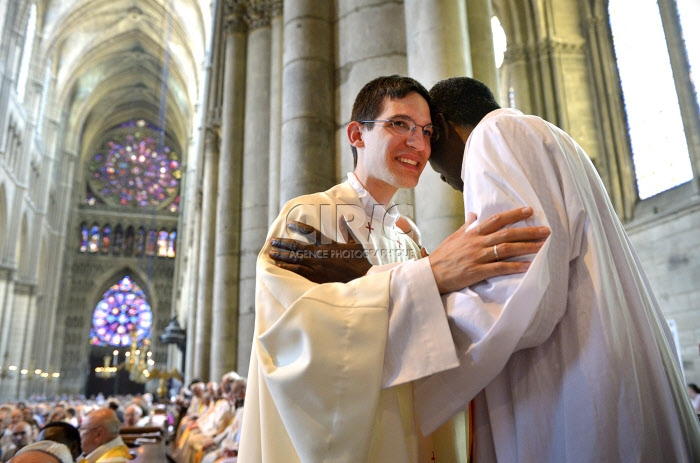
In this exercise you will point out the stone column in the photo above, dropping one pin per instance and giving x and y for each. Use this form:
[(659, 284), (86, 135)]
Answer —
[(437, 47), (190, 303), (255, 170), (17, 336), (202, 342), (482, 54), (307, 103), (228, 224), (5, 282), (8, 287), (211, 116), (615, 166), (6, 301), (27, 346), (276, 46)]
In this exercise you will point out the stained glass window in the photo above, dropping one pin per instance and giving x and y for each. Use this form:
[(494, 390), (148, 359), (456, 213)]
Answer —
[(129, 242), (94, 243), (163, 243), (171, 243), (122, 310), (175, 205), (83, 237), (118, 243), (151, 243), (132, 170), (106, 239), (140, 242)]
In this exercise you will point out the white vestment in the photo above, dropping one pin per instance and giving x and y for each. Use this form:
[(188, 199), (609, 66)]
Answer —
[(319, 359), (571, 361)]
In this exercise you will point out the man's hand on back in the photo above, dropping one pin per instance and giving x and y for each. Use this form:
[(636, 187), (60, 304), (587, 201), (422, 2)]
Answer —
[(469, 256), (323, 261)]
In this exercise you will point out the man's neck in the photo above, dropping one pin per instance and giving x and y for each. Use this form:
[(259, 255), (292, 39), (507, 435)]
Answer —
[(381, 192)]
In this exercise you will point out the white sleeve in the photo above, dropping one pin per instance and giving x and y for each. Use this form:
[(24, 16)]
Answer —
[(419, 341), (490, 321)]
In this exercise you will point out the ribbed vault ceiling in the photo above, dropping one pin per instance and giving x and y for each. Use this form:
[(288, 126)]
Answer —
[(122, 59)]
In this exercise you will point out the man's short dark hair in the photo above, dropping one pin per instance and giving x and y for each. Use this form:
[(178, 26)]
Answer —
[(462, 100), (369, 102), (70, 436)]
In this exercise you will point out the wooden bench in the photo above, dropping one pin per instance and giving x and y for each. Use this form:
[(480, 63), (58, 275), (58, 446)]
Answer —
[(150, 434), (146, 443), (150, 453)]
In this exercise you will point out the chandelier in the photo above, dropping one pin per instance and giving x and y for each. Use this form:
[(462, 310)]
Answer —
[(139, 363)]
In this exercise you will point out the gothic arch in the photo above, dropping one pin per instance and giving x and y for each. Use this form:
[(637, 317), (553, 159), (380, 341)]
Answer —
[(105, 281)]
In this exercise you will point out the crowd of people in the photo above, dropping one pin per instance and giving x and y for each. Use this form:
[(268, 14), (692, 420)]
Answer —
[(88, 428), (209, 429), (200, 424)]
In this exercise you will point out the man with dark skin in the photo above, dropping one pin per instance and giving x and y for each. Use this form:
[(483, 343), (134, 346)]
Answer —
[(580, 330)]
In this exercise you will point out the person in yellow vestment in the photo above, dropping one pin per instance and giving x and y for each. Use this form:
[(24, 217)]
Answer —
[(99, 438)]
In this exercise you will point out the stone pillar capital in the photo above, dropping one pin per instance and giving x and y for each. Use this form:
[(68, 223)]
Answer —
[(276, 8), (234, 16), (260, 12), (212, 134)]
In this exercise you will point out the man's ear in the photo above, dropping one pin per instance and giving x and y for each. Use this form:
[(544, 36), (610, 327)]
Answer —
[(441, 124), (355, 134)]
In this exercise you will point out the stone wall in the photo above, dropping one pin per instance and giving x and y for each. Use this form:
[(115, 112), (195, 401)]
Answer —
[(666, 235)]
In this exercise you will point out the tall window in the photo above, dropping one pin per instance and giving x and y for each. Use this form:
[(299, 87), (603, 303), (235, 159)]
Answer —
[(499, 40), (118, 243), (163, 243), (171, 243), (94, 243), (500, 45), (122, 311), (26, 54), (83, 237), (659, 146), (106, 239)]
